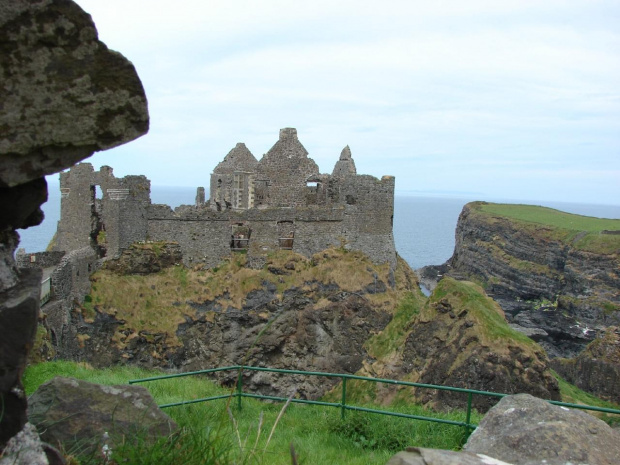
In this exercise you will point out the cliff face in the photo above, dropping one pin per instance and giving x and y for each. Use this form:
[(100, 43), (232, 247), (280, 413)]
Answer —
[(295, 313), (458, 337), (557, 276)]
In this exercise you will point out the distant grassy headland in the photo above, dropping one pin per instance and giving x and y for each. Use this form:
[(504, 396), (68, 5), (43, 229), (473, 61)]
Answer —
[(581, 232)]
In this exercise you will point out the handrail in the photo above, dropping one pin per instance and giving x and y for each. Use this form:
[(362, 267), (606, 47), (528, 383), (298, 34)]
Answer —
[(239, 394)]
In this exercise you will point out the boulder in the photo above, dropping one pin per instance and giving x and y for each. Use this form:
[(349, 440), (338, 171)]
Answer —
[(64, 94), (77, 414), (421, 456), (524, 430)]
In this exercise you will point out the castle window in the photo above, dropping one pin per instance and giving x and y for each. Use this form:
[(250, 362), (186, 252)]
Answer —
[(240, 237), (286, 234)]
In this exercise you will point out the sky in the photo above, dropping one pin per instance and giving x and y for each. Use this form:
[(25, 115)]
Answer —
[(486, 99)]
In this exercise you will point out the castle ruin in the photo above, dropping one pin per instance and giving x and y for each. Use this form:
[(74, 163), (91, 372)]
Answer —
[(256, 207)]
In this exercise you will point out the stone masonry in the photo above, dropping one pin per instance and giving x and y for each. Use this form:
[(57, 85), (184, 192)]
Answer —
[(256, 207)]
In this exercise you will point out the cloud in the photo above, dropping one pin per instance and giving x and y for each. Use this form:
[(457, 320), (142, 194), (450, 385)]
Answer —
[(424, 90)]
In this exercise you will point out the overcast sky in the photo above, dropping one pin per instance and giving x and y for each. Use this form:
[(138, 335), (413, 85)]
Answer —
[(483, 98)]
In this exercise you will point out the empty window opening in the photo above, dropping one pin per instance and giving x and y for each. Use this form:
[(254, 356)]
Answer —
[(286, 234), (240, 237), (98, 192)]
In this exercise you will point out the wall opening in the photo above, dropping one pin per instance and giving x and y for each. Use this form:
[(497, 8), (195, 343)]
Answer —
[(98, 192), (286, 234), (240, 237)]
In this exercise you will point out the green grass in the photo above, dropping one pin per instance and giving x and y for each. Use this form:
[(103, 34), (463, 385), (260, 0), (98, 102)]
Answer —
[(394, 334), (550, 217), (317, 434), (572, 394), (581, 232), (470, 296)]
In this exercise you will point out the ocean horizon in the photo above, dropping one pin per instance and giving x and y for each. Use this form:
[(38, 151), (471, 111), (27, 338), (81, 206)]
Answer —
[(424, 225)]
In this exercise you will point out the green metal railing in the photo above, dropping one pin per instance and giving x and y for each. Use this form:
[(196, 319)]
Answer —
[(342, 405)]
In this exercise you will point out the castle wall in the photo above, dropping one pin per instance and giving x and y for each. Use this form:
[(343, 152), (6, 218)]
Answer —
[(369, 216), (100, 211), (279, 202)]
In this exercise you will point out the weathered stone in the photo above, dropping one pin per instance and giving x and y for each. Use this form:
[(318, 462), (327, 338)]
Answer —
[(422, 456), (19, 309), (64, 94), (75, 413), (279, 202), (345, 166), (25, 448), (524, 430)]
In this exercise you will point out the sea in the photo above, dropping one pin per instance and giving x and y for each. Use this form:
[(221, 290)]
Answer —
[(424, 225)]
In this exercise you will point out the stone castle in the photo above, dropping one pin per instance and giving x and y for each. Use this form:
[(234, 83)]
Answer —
[(279, 202)]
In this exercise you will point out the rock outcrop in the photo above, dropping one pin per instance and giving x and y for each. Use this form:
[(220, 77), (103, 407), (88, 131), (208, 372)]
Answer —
[(597, 368), (423, 456), (557, 283), (75, 414), (524, 430), (460, 338), (313, 315), (146, 258), (64, 96)]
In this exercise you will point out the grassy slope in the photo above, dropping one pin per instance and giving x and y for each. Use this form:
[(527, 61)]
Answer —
[(581, 232), (317, 433)]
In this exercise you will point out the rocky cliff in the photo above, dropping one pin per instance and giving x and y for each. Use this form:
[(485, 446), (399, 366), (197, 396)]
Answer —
[(457, 337), (295, 313), (556, 275)]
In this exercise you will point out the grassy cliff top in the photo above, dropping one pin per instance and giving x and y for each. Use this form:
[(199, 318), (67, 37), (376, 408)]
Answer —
[(581, 232)]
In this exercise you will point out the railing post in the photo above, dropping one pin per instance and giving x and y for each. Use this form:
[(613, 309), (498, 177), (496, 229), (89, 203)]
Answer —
[(343, 401), (468, 419), (239, 387)]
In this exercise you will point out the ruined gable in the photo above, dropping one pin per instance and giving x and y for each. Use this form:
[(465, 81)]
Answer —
[(284, 170), (232, 180)]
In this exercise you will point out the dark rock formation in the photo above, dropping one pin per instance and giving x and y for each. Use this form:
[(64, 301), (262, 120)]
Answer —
[(524, 430), (71, 413), (64, 95), (596, 369), (552, 285), (146, 258)]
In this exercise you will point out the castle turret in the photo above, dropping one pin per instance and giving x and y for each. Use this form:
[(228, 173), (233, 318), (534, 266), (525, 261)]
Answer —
[(345, 166)]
